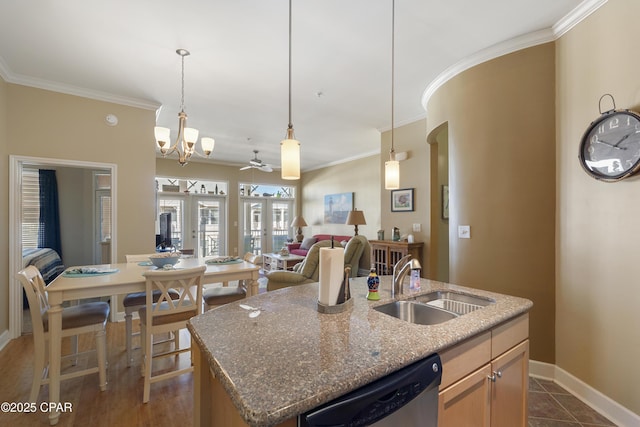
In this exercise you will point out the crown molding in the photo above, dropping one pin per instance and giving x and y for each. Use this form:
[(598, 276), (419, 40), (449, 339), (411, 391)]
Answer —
[(10, 77), (579, 13)]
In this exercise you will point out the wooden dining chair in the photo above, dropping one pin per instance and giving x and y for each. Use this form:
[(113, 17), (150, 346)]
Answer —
[(217, 296), (135, 301), (166, 315), (79, 319)]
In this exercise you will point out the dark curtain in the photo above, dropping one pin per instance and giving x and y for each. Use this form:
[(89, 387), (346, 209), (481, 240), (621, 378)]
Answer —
[(49, 227)]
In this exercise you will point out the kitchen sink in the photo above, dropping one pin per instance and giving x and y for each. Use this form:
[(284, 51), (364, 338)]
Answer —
[(416, 312), (454, 302)]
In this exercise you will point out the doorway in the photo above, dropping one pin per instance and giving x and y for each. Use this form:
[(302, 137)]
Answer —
[(198, 222), (264, 223), (438, 140), (88, 169)]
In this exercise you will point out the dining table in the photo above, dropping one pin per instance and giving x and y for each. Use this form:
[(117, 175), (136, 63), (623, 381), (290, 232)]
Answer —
[(118, 279)]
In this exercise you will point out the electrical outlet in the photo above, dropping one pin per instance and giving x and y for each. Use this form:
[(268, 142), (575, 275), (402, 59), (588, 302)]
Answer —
[(464, 231), (417, 228)]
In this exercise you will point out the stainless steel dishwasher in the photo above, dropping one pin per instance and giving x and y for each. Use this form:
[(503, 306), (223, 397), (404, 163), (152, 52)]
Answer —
[(407, 397)]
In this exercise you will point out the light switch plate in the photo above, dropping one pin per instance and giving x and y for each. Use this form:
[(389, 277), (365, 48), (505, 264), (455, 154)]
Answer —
[(464, 231), (417, 228)]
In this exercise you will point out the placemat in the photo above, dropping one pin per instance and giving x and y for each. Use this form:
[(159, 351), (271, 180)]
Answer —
[(216, 261), (88, 272)]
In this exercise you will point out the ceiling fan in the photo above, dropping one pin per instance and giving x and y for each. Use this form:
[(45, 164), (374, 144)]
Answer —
[(256, 163)]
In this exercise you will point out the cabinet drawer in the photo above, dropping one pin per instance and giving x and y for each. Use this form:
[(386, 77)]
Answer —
[(509, 334), (464, 358)]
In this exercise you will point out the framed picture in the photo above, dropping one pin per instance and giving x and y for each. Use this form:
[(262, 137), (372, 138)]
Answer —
[(402, 200), (337, 207)]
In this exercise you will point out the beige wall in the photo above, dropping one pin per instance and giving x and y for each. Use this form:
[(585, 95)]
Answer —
[(169, 167), (360, 177), (414, 173), (501, 132), (4, 211), (597, 292), (58, 126)]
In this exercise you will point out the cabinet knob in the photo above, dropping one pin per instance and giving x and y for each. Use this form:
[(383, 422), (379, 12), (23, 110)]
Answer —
[(495, 375)]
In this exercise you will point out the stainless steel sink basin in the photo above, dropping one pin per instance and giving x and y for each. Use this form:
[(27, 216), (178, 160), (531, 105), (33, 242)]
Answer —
[(415, 312), (454, 302)]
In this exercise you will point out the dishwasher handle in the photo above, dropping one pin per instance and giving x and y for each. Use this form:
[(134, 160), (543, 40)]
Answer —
[(379, 399)]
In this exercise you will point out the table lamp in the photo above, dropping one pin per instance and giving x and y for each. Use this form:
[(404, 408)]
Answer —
[(299, 222), (356, 217)]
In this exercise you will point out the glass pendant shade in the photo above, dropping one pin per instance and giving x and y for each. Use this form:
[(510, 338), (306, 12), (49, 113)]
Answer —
[(191, 135), (163, 136), (207, 145), (290, 156), (391, 175)]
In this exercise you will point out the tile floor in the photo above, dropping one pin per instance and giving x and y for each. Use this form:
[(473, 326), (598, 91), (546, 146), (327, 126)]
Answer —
[(552, 406)]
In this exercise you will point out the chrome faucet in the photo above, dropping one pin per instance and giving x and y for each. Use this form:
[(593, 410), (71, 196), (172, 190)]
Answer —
[(400, 270)]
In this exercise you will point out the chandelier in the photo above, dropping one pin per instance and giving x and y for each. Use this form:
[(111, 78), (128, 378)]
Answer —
[(187, 137), (290, 147)]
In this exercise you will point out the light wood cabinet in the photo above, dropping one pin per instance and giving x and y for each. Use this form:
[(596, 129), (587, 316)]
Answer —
[(485, 379), (385, 253)]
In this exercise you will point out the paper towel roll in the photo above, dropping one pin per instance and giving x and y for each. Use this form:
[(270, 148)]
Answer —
[(331, 274)]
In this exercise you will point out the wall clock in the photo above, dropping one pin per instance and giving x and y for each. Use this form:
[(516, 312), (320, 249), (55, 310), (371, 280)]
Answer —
[(610, 147)]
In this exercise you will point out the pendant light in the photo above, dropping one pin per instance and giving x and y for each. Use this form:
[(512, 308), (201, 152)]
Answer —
[(290, 147), (392, 166)]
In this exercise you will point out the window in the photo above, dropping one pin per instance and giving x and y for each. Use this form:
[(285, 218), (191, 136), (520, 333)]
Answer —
[(30, 207)]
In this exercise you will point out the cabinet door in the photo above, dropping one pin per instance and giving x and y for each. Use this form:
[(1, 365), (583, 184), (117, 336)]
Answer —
[(467, 403), (509, 391)]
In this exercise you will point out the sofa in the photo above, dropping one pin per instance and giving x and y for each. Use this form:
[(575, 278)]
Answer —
[(302, 248), (357, 255)]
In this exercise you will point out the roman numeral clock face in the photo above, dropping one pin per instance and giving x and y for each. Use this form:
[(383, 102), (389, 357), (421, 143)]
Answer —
[(610, 148)]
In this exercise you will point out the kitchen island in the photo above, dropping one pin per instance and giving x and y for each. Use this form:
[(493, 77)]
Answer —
[(265, 369)]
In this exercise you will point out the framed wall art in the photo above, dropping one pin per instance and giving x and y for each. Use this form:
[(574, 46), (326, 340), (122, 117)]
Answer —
[(337, 207), (402, 200)]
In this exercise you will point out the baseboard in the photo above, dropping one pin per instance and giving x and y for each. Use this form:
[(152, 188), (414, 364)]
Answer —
[(608, 407), (5, 337)]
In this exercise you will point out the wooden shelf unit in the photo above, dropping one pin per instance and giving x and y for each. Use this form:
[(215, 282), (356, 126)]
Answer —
[(385, 253)]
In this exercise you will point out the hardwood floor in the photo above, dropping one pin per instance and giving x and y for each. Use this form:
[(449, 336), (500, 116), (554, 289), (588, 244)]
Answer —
[(120, 405), (172, 400)]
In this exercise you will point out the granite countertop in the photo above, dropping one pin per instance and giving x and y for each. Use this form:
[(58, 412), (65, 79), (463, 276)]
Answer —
[(291, 358)]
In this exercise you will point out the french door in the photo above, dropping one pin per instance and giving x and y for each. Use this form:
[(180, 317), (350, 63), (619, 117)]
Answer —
[(198, 222), (264, 223)]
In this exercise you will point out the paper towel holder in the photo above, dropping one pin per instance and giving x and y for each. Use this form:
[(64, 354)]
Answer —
[(345, 293), (334, 309)]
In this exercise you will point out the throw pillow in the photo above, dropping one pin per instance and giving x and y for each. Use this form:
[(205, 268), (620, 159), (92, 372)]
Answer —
[(307, 243)]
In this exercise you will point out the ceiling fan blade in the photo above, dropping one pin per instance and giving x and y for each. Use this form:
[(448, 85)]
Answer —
[(266, 168), (245, 168)]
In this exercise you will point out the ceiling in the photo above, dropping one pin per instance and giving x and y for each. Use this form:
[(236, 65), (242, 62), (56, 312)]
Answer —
[(236, 78)]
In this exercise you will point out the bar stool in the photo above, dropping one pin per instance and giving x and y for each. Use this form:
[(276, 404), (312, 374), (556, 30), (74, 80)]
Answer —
[(79, 319), (135, 301), (166, 315)]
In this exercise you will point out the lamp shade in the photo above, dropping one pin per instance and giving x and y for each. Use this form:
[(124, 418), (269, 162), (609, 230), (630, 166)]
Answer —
[(391, 175), (162, 134), (298, 222), (356, 217), (290, 158), (207, 145)]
